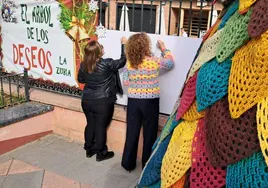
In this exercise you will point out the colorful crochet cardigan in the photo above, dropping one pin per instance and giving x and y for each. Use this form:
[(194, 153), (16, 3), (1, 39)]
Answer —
[(143, 83)]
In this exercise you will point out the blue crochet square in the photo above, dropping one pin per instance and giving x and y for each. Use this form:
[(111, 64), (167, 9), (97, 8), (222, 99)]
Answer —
[(251, 172), (212, 83), (152, 171), (231, 10)]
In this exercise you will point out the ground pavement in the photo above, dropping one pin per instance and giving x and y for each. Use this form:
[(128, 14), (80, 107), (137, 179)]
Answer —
[(55, 162)]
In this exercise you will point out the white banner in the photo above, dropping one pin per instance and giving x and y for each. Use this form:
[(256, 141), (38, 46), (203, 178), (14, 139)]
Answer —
[(33, 39)]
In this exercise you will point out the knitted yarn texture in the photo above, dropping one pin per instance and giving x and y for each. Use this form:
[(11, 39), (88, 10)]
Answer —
[(188, 96), (156, 185), (212, 83), (192, 114), (258, 22), (244, 5), (250, 172), (249, 76), (187, 179), (207, 52), (152, 171), (231, 10), (203, 175), (177, 159), (262, 126), (213, 29), (229, 140), (230, 41), (180, 183), (169, 127)]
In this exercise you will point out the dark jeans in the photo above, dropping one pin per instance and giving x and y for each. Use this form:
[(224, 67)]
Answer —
[(99, 117), (140, 112)]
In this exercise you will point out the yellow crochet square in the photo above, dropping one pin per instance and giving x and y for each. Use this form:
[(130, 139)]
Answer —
[(244, 5), (248, 81), (192, 114), (177, 159), (262, 126), (207, 52)]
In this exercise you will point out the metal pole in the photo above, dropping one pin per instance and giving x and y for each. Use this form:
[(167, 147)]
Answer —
[(151, 16), (160, 17), (109, 14), (200, 19), (133, 15), (2, 91), (190, 17), (211, 14), (169, 17), (179, 18), (26, 85), (101, 11), (142, 6), (125, 9)]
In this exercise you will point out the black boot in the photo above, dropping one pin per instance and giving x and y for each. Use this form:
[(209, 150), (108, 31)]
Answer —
[(104, 155), (90, 153)]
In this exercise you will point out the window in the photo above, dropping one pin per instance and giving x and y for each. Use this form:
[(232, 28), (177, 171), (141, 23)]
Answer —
[(149, 17)]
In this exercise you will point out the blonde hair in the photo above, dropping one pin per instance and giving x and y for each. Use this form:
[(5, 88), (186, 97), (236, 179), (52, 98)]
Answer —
[(93, 53), (137, 48)]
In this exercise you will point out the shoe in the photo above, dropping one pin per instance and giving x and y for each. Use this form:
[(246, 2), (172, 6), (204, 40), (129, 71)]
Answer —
[(104, 156), (90, 153), (128, 169)]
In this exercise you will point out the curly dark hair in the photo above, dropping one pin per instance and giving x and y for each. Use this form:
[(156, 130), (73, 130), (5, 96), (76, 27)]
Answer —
[(137, 48)]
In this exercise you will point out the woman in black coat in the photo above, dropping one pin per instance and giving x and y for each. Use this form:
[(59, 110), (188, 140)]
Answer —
[(102, 83)]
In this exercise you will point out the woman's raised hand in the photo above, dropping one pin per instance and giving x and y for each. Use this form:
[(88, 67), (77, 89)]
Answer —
[(161, 45), (123, 40)]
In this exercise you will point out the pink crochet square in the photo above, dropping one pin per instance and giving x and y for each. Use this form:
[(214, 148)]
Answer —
[(203, 174), (188, 96)]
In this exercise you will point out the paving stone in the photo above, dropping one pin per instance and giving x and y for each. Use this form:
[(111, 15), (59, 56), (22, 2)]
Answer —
[(52, 180), (63, 145), (111, 163), (114, 180), (2, 178), (134, 184), (4, 167), (25, 180), (118, 169), (18, 167), (49, 160), (87, 172)]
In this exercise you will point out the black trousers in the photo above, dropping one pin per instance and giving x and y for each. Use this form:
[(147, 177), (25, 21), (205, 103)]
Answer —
[(140, 112), (99, 117)]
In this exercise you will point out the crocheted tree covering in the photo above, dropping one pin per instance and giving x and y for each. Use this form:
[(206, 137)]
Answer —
[(212, 82), (192, 114), (212, 30), (244, 5), (203, 175), (207, 52), (249, 76), (250, 172), (156, 185), (169, 127), (177, 159), (229, 140), (152, 171), (188, 96), (230, 41), (180, 183), (231, 10), (262, 126), (187, 179), (258, 22)]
